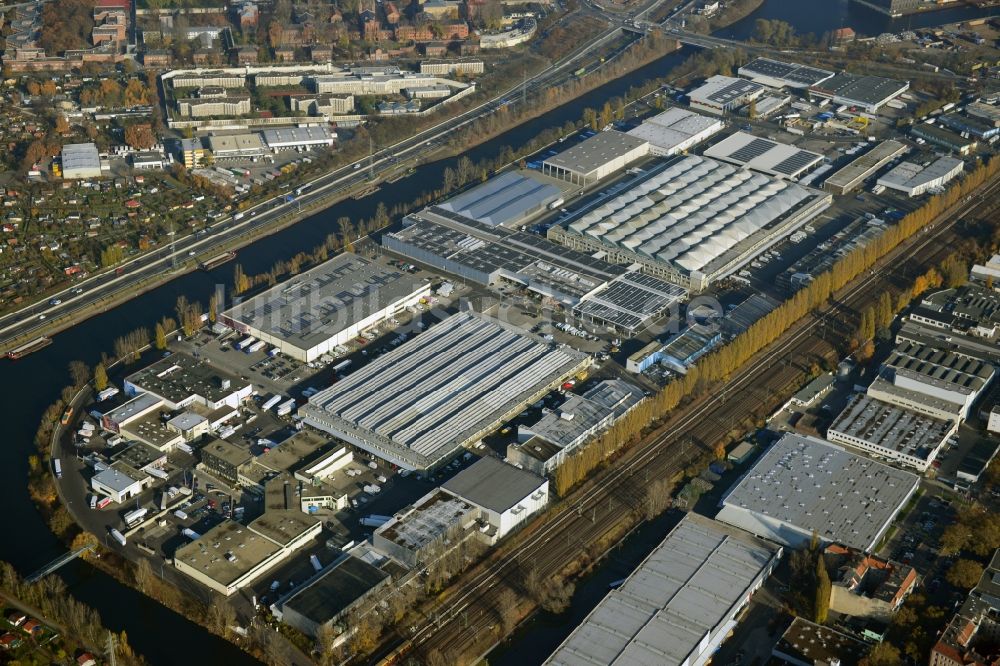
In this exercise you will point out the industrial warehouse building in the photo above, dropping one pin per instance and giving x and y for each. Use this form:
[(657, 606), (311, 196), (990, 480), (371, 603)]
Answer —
[(417, 533), (294, 138), (543, 446), (313, 312), (596, 157), (600, 293), (891, 432), (679, 605), (81, 160), (675, 131), (779, 74), (932, 380), (231, 555), (445, 389), (504, 496), (939, 136), (780, 160), (803, 486), (869, 93), (511, 199), (323, 602), (915, 179), (861, 168), (180, 380), (694, 222), (724, 94), (236, 146), (120, 482)]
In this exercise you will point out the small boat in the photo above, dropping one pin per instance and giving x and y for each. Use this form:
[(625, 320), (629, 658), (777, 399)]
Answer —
[(217, 261), (29, 347)]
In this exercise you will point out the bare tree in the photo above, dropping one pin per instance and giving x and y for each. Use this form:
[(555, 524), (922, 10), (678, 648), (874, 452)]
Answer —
[(143, 575)]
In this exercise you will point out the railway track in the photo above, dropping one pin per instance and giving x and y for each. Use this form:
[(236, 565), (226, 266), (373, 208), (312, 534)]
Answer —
[(454, 626)]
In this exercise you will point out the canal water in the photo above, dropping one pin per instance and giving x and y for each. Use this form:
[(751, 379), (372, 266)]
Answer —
[(27, 386), (819, 16)]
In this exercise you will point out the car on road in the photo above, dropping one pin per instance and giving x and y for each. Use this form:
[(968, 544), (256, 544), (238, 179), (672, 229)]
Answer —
[(78, 290), (55, 301), (41, 316)]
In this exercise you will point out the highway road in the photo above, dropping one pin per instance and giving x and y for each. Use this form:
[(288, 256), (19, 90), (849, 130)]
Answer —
[(468, 614), (77, 302)]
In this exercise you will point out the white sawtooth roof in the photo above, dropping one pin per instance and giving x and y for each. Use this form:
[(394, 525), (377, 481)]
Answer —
[(692, 212)]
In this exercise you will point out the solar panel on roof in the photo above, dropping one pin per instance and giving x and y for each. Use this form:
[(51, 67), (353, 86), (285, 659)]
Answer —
[(795, 163), (752, 150)]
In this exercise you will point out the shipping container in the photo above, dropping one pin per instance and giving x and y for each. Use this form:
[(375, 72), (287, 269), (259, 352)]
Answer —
[(375, 520), (180, 514), (103, 502), (271, 402), (107, 393), (118, 536), (343, 365), (157, 472), (285, 407), (315, 562), (255, 347), (190, 534), (134, 517), (246, 342), (57, 467), (185, 448)]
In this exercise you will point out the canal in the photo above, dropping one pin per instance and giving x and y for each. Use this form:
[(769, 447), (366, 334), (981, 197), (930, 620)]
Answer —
[(27, 386)]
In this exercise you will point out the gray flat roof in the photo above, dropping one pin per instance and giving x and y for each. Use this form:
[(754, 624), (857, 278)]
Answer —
[(456, 244), (335, 591), (891, 427), (136, 405), (297, 135), (292, 451), (683, 592), (574, 417), (186, 420), (80, 156), (615, 394), (507, 198), (180, 375), (118, 477), (791, 74), (596, 151), (862, 167), (492, 484), (939, 367), (440, 390), (631, 300), (226, 552), (430, 518), (312, 307), (908, 175), (864, 89), (817, 644), (220, 143), (765, 155), (813, 485), (721, 90)]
